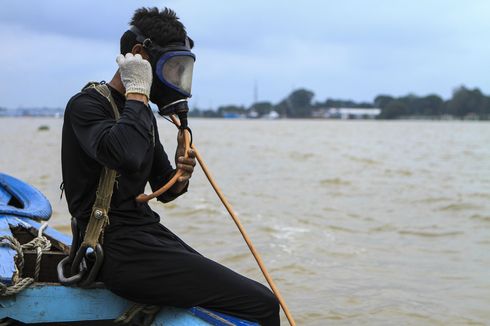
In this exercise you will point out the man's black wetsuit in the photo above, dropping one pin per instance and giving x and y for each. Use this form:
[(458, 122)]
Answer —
[(144, 261)]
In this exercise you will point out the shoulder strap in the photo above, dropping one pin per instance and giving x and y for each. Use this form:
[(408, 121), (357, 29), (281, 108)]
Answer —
[(99, 218), (104, 90)]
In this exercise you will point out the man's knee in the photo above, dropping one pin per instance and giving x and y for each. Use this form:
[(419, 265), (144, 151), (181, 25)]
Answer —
[(269, 301), (270, 306)]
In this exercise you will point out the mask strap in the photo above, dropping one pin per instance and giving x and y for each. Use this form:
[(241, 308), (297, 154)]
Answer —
[(140, 37), (146, 41)]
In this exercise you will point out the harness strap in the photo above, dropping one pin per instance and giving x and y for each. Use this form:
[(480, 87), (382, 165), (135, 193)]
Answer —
[(99, 218)]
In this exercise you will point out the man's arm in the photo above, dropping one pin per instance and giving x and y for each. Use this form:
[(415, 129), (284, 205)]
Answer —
[(118, 145)]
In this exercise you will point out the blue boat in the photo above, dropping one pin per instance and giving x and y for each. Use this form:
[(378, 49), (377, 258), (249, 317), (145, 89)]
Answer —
[(23, 209)]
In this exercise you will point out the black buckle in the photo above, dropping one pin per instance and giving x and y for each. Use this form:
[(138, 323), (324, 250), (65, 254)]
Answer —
[(83, 265)]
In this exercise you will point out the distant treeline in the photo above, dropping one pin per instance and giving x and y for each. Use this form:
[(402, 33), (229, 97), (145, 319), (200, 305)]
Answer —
[(465, 103)]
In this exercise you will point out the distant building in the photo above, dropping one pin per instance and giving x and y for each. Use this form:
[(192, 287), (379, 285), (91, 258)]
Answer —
[(233, 115), (253, 114), (321, 113), (271, 115), (32, 112), (346, 113)]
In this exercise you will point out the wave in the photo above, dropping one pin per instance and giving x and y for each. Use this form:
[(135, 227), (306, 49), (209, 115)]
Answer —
[(461, 207), (334, 182), (297, 156), (401, 172), (341, 228), (364, 160), (429, 234), (482, 218), (430, 200)]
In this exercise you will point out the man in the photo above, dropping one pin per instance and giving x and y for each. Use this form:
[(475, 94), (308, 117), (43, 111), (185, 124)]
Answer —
[(144, 261)]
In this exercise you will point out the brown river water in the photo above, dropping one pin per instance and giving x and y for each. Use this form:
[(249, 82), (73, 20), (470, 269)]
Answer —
[(358, 222)]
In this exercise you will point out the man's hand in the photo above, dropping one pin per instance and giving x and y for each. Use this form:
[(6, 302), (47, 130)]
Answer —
[(185, 164), (136, 74)]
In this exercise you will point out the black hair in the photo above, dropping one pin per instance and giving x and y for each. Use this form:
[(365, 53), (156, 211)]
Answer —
[(161, 26)]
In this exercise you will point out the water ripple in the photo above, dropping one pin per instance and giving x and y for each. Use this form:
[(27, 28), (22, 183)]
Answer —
[(429, 234), (461, 207), (334, 182)]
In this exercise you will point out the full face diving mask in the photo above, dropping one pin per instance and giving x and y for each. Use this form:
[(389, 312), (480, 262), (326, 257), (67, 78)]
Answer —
[(172, 75)]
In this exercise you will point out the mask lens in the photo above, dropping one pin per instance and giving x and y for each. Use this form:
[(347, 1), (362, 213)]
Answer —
[(177, 71)]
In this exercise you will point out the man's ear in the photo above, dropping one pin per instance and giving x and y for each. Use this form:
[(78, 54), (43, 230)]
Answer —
[(139, 49)]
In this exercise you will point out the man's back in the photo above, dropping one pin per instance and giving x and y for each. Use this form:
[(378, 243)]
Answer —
[(91, 139)]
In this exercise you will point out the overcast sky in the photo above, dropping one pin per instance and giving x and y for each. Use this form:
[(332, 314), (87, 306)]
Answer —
[(342, 49)]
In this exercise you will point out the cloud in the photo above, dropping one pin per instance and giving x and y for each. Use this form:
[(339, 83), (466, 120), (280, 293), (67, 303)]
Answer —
[(42, 69), (351, 49), (89, 19)]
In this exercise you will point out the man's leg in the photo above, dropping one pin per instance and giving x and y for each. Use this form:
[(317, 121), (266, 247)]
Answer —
[(159, 268)]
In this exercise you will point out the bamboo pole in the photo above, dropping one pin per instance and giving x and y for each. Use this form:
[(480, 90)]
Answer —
[(245, 236)]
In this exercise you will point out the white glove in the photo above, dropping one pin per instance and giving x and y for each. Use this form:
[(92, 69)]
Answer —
[(136, 74)]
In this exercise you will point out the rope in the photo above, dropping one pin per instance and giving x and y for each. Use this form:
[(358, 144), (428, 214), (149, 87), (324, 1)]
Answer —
[(41, 243), (17, 287), (19, 283), (138, 310)]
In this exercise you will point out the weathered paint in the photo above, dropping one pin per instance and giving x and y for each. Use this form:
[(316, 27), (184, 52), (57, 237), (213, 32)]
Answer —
[(218, 319), (5, 196), (48, 231), (54, 303), (7, 255), (34, 203)]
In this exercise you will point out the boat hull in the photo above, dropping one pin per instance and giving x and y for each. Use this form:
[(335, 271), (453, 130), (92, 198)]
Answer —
[(54, 303), (47, 301)]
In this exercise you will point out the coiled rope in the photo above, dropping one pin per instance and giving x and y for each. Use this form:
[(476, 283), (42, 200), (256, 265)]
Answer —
[(41, 243)]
